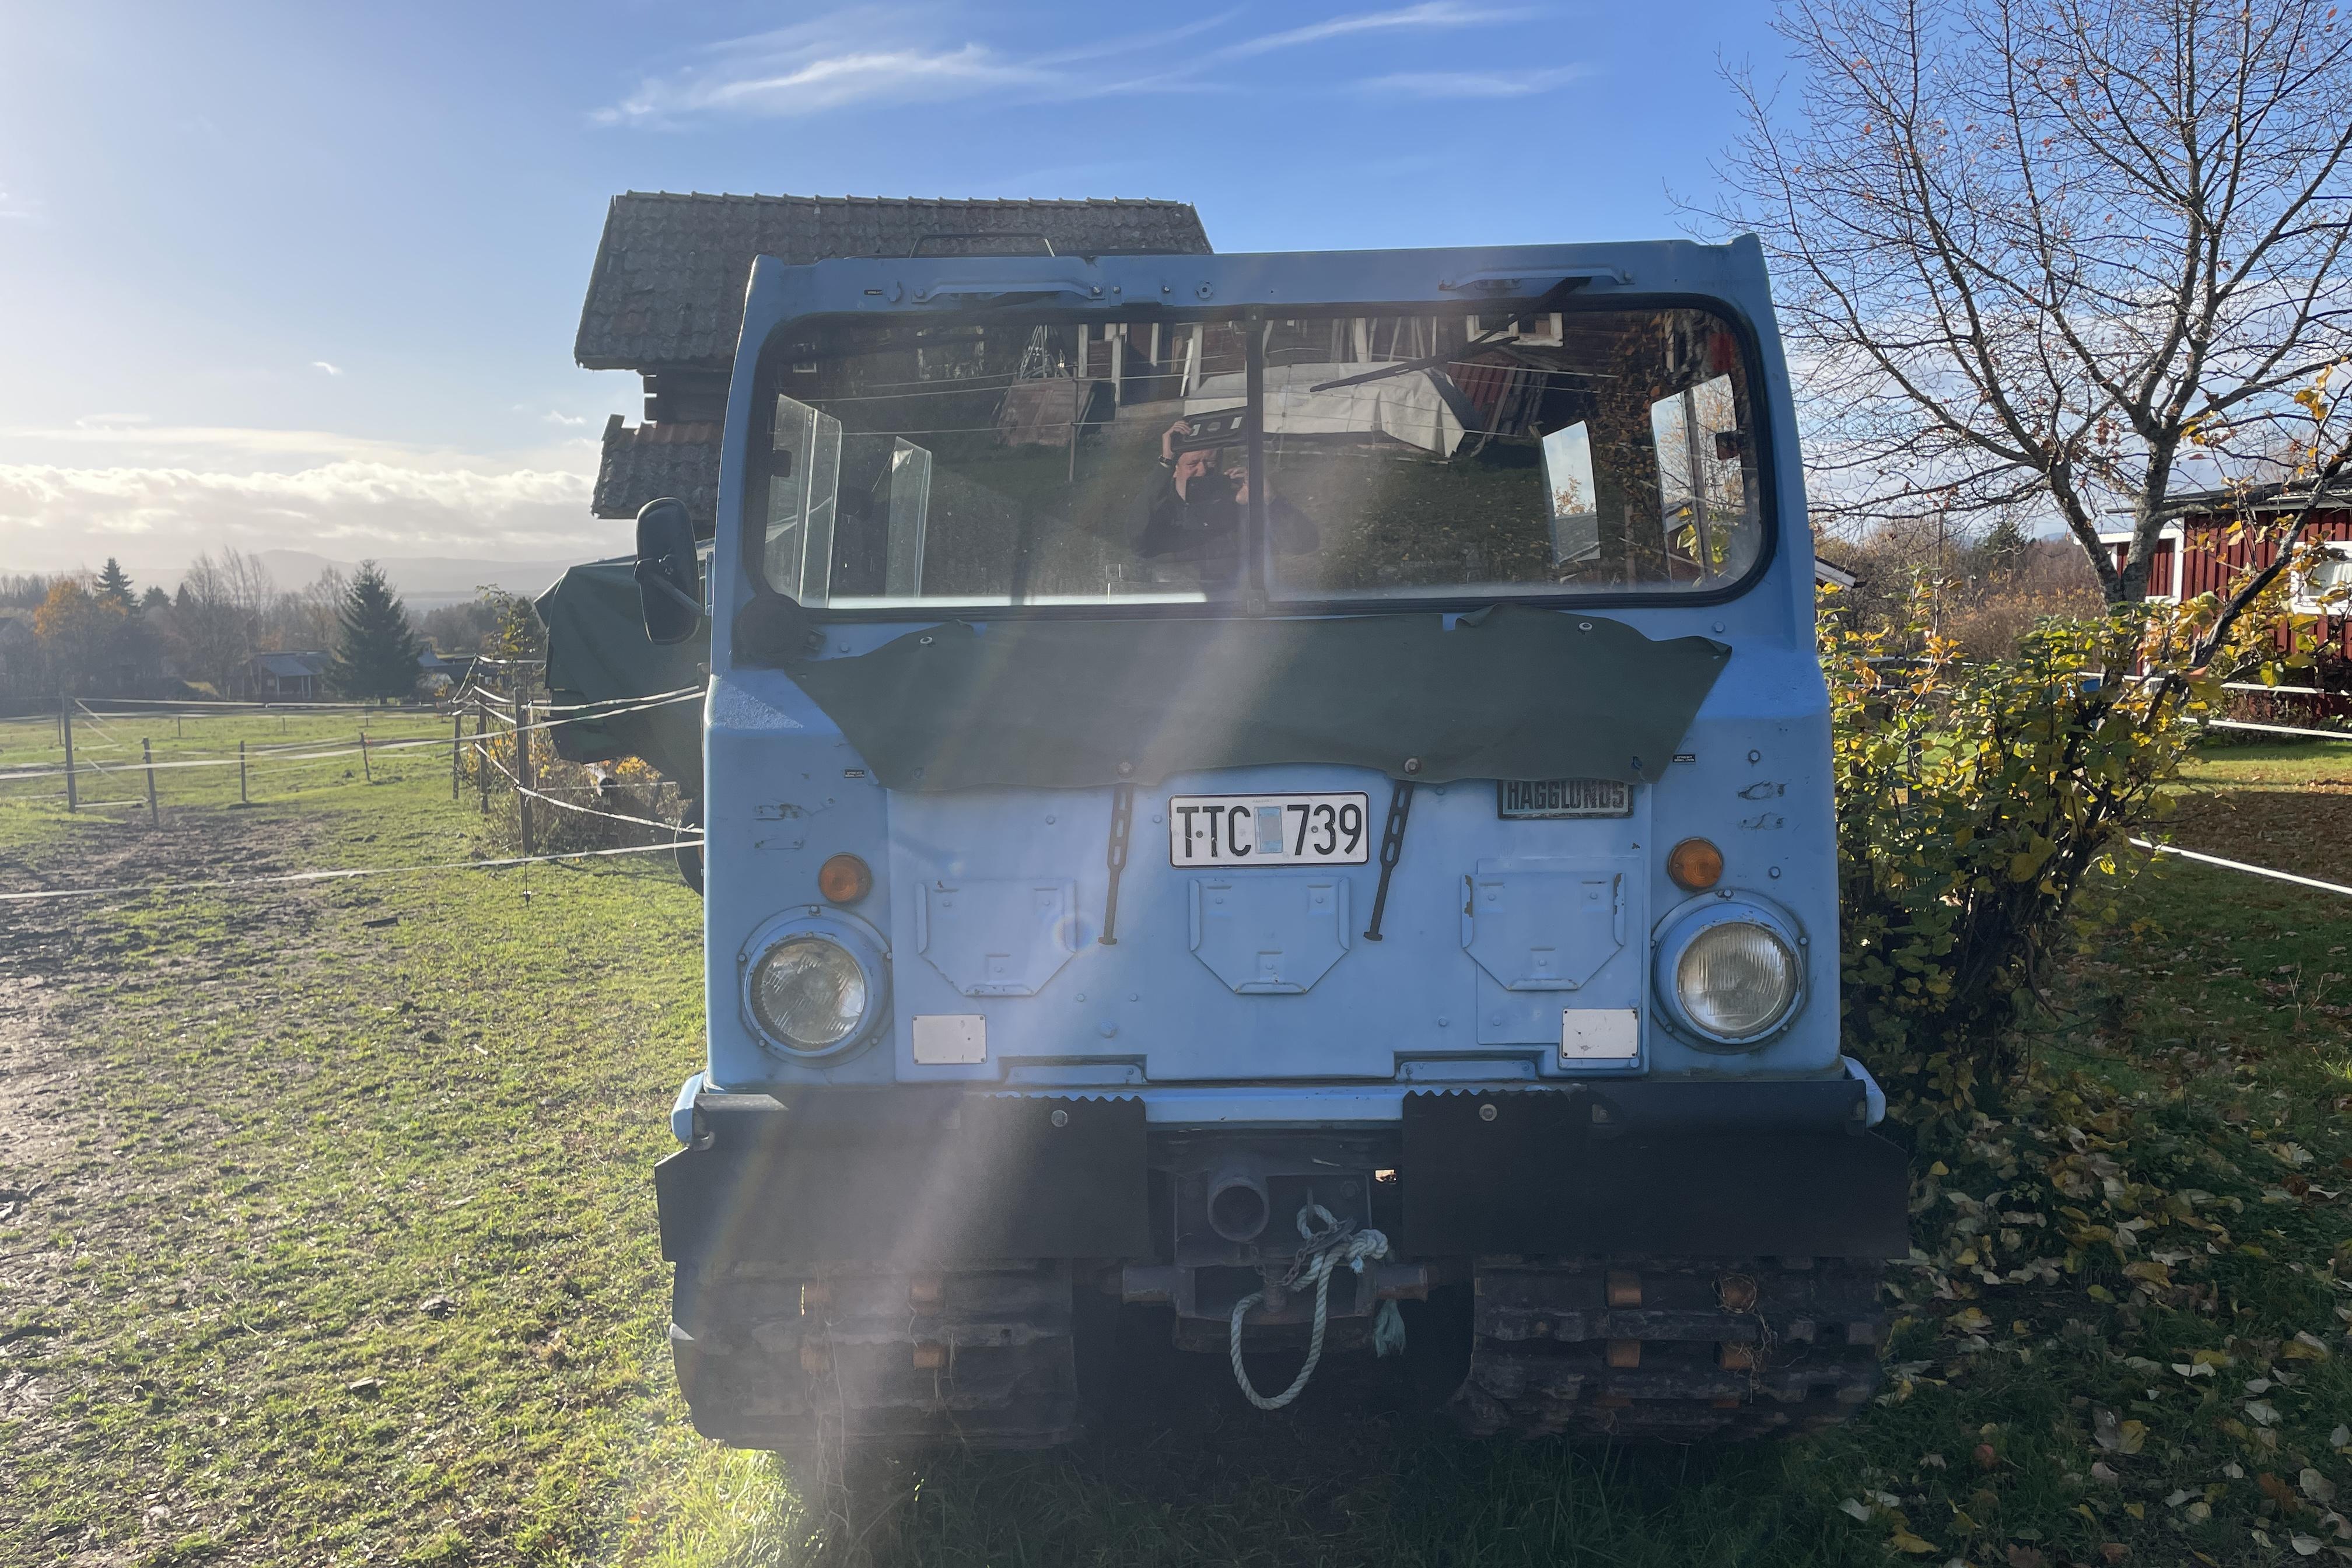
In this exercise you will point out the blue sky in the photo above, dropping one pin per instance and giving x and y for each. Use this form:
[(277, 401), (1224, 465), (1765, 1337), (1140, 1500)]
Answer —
[(307, 276)]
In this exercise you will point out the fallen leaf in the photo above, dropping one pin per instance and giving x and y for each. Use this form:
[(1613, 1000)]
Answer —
[(364, 1387), (2104, 1429), (2102, 1471), (2115, 1551), (2027, 1557), (2135, 1436), (1987, 1458), (2317, 1487), (1860, 1510), (1904, 1540), (436, 1306), (2264, 1411), (2340, 1438), (2304, 1545)]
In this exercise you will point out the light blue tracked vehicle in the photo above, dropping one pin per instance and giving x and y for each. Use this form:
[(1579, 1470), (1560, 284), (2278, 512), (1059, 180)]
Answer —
[(1265, 789)]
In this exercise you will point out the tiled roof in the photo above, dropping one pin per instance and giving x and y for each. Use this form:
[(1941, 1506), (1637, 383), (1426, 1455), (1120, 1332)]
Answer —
[(644, 462), (668, 289), (292, 666)]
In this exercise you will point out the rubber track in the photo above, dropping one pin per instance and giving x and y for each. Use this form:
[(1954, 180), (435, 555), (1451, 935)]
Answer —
[(1805, 1355), (796, 1361)]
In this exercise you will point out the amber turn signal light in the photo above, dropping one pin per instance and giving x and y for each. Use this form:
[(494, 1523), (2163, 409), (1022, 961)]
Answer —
[(844, 879), (1696, 864)]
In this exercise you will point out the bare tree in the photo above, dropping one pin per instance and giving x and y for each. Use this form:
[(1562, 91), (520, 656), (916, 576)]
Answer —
[(216, 616), (307, 617), (2026, 250)]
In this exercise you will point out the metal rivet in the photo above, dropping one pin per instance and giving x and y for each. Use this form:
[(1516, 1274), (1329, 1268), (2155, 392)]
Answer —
[(1444, 1023), (1082, 996), (1719, 626), (1774, 873), (1584, 626), (1125, 769), (1135, 995), (1061, 1119), (1755, 756), (1049, 819), (1108, 1031), (1486, 1111), (1412, 764)]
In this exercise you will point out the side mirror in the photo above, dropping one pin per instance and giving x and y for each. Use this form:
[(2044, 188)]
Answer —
[(669, 583)]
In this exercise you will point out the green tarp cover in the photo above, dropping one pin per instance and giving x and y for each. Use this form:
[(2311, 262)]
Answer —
[(597, 651), (1505, 693)]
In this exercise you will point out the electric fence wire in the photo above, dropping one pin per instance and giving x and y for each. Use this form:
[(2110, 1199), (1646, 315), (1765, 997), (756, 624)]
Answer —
[(584, 810), (142, 889), (57, 770), (2199, 855)]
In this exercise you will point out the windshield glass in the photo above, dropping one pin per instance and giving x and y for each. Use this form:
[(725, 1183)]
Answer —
[(1010, 461)]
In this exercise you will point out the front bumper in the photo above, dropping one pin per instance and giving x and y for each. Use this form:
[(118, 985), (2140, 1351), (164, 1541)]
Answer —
[(946, 1176)]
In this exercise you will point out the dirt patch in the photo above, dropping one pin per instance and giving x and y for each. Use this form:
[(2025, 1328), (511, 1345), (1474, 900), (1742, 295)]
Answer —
[(57, 964), (2307, 829)]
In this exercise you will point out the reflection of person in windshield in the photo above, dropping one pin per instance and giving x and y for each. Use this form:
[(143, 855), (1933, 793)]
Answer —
[(1194, 513)]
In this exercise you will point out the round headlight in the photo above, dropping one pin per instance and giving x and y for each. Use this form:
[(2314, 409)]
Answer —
[(809, 994), (1737, 980)]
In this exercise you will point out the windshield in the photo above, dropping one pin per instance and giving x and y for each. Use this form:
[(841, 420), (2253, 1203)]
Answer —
[(1010, 461)]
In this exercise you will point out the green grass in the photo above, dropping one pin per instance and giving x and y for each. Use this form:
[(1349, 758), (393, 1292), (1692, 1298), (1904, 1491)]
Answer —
[(341, 1247)]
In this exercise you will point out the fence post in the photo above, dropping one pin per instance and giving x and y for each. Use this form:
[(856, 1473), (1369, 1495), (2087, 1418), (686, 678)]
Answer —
[(241, 798), (367, 773), (147, 752), (456, 744), (481, 750), (65, 718), (522, 765)]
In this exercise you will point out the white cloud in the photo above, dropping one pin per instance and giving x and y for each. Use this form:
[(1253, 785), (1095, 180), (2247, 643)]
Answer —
[(1438, 14), (1474, 84), (557, 416), (13, 205), (835, 62), (53, 516), (140, 441), (329, 369)]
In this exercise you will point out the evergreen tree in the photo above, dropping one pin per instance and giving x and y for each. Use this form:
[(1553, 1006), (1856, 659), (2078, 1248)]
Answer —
[(154, 599), (375, 648), (2002, 546), (114, 584)]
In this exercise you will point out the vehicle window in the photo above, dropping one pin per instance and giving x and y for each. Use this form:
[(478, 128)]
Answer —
[(998, 460), (1010, 461), (1575, 452)]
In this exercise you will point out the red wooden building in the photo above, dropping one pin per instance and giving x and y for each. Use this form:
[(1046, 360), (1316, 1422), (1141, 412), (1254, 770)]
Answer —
[(2196, 553)]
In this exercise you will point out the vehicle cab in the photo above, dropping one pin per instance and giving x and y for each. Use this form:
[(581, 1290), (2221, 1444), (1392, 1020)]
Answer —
[(1196, 744)]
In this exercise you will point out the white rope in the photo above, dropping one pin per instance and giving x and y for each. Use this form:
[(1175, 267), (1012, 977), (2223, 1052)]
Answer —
[(2242, 866), (2273, 728), (297, 877), (374, 747), (1320, 1251)]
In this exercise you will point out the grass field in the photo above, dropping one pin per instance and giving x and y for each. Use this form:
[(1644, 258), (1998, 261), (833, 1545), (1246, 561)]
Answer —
[(326, 1236)]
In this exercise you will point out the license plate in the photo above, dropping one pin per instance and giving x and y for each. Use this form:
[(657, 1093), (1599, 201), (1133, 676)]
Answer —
[(1269, 830), (1532, 798)]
